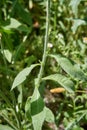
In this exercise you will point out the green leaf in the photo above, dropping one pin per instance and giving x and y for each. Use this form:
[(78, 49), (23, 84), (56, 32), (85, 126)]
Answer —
[(38, 120), (76, 127), (13, 24), (8, 55), (75, 72), (77, 23), (49, 115), (24, 28), (22, 76), (20, 95), (5, 127), (36, 102), (28, 108), (62, 80), (74, 4), (37, 110), (23, 15)]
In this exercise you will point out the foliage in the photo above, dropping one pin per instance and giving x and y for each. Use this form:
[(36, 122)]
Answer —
[(43, 46)]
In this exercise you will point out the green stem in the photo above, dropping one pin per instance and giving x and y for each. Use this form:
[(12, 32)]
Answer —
[(2, 50), (17, 119), (45, 45)]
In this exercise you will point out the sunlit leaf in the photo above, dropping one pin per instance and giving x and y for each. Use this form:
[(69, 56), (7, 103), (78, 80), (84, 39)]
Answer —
[(70, 68), (37, 110), (22, 76), (77, 23), (74, 4), (13, 24), (8, 55), (62, 80), (38, 120), (49, 115)]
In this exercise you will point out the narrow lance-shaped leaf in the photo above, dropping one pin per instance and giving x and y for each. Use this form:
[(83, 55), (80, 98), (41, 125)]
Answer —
[(22, 76), (70, 68), (37, 110), (62, 80), (7, 54), (74, 4)]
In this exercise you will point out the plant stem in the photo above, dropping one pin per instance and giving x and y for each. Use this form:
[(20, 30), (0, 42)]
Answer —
[(45, 45), (2, 50)]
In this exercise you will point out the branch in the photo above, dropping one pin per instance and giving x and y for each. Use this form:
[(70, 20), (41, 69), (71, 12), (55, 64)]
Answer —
[(45, 45)]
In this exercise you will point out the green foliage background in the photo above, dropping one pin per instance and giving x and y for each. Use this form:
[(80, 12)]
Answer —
[(22, 32)]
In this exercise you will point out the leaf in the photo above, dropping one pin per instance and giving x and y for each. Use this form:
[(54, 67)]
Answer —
[(37, 110), (28, 108), (20, 95), (76, 127), (36, 102), (74, 4), (30, 59), (62, 80), (24, 28), (22, 76), (13, 24), (49, 115), (23, 15), (5, 127), (70, 68), (35, 107), (7, 55), (76, 24), (18, 52), (38, 120)]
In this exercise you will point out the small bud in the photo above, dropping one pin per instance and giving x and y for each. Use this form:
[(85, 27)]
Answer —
[(50, 45)]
